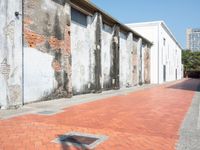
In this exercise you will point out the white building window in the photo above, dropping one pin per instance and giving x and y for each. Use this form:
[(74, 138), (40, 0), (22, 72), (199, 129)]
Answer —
[(78, 17), (164, 41)]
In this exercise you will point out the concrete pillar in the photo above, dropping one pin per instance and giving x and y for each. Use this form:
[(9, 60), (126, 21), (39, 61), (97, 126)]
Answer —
[(140, 61), (129, 59), (98, 74), (135, 62), (115, 60), (67, 55), (147, 64), (10, 53)]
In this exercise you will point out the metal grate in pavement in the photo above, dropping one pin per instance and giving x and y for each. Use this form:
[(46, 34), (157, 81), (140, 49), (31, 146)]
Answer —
[(80, 140), (47, 112)]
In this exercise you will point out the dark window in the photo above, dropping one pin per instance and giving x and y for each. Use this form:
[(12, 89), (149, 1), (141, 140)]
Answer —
[(78, 17), (107, 28), (164, 41), (164, 73)]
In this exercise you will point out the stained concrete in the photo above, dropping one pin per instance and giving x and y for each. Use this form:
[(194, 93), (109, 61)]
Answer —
[(106, 52), (61, 57), (139, 63), (190, 129), (147, 69), (115, 58), (47, 34), (135, 62), (83, 55), (10, 53)]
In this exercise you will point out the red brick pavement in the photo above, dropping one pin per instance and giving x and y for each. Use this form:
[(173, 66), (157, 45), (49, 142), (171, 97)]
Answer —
[(145, 120)]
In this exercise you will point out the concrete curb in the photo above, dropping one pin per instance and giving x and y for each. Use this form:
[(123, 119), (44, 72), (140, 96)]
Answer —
[(190, 128)]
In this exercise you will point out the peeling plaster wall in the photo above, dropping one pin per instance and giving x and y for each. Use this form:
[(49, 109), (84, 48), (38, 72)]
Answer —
[(98, 68), (61, 58), (83, 55), (163, 54), (126, 44), (151, 33), (135, 62), (107, 34), (129, 51), (147, 70), (47, 44), (10, 53), (115, 65), (143, 62), (123, 60), (40, 73), (140, 62)]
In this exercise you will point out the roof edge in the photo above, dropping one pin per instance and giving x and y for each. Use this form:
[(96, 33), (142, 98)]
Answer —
[(96, 8), (159, 22)]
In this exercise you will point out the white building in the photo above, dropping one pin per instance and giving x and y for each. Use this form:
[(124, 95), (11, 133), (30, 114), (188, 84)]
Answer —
[(166, 63), (64, 48)]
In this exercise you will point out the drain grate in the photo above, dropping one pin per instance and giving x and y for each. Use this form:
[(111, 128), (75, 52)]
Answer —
[(87, 141), (46, 112)]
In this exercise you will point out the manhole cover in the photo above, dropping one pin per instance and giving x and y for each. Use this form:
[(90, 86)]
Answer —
[(82, 140)]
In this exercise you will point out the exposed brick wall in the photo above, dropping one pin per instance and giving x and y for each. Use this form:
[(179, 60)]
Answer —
[(33, 39), (47, 29)]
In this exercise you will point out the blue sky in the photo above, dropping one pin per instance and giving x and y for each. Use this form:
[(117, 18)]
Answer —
[(177, 14)]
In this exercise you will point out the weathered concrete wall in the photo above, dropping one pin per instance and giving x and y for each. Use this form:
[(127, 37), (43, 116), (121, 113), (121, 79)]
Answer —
[(115, 65), (98, 68), (130, 45), (10, 53), (39, 78), (123, 59), (106, 56), (126, 45), (61, 58), (47, 43), (164, 53), (135, 62), (147, 64), (140, 61), (83, 44)]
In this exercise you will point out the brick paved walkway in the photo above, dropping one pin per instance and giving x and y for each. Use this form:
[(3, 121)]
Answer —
[(145, 120)]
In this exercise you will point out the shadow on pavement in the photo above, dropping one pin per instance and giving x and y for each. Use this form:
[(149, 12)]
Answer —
[(75, 144), (189, 85)]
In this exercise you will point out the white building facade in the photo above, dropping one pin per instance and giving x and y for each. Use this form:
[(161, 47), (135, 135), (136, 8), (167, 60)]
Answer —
[(54, 49), (166, 53)]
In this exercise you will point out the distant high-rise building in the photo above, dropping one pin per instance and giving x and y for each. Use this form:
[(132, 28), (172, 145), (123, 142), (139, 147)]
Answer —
[(193, 39)]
